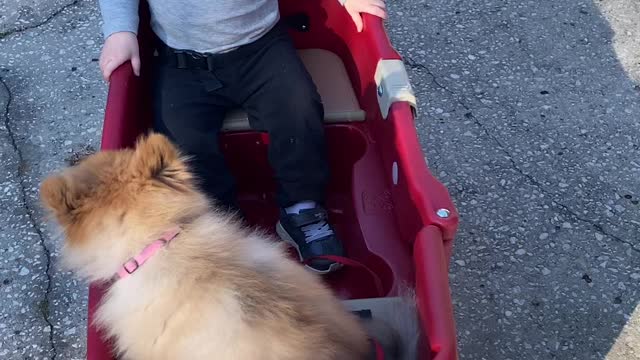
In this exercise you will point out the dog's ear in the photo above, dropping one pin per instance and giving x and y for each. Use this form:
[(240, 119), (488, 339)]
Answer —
[(63, 193), (157, 159), (55, 195)]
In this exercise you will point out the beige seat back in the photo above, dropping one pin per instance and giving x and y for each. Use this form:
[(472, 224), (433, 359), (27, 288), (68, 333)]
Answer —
[(331, 79)]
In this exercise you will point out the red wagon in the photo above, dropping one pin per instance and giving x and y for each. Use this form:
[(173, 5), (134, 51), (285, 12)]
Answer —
[(393, 215)]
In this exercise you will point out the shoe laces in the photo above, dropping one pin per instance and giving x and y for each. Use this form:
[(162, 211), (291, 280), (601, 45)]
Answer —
[(315, 231)]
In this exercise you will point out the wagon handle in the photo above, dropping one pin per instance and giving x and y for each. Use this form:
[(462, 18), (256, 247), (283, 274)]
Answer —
[(433, 294)]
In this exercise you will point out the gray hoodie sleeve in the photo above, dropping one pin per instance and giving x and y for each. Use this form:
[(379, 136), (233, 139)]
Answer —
[(119, 15)]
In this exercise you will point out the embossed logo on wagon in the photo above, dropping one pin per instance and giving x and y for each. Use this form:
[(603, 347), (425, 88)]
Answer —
[(377, 203)]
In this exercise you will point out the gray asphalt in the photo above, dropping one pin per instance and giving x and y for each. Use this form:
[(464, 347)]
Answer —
[(528, 113)]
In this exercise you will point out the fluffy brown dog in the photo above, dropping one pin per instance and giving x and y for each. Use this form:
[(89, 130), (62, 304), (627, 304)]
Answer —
[(216, 291)]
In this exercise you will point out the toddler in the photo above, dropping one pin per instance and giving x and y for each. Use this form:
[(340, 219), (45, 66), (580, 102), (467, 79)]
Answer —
[(215, 55)]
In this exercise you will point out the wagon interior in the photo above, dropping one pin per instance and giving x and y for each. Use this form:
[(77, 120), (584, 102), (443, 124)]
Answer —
[(381, 195)]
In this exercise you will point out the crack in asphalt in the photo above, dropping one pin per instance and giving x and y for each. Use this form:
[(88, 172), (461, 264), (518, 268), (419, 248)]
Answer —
[(45, 303), (43, 22), (469, 115)]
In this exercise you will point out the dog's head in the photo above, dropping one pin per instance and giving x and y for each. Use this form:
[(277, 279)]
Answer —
[(111, 202)]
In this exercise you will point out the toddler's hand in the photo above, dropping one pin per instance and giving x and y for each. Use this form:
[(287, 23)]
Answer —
[(373, 7), (118, 48)]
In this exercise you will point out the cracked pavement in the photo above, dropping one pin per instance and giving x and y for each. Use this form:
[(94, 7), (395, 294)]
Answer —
[(528, 114), (49, 72), (29, 214)]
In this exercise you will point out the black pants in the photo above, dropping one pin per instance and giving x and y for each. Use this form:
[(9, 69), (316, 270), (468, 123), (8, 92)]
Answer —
[(266, 78)]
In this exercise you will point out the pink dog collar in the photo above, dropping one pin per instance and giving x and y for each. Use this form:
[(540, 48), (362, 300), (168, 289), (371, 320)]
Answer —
[(133, 264)]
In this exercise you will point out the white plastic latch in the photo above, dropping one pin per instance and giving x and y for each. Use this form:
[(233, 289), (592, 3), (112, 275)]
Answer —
[(392, 85)]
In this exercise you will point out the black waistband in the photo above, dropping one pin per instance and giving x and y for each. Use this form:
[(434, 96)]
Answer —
[(188, 59)]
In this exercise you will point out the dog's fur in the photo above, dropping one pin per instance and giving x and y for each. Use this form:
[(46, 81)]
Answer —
[(217, 290)]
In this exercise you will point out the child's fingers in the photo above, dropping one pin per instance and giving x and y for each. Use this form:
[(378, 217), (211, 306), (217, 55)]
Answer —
[(378, 3), (104, 66), (103, 63), (374, 10), (110, 67), (357, 19), (135, 64)]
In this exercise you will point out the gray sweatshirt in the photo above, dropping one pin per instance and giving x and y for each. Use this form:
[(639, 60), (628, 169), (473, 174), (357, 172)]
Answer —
[(211, 26)]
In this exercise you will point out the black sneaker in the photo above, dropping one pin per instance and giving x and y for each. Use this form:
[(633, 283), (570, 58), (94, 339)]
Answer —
[(311, 235)]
